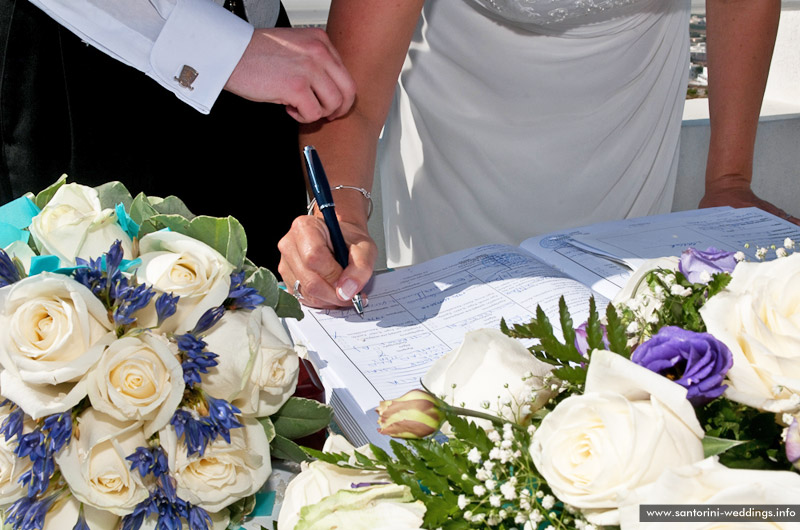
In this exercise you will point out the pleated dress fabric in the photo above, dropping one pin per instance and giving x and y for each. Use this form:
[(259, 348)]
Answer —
[(514, 118)]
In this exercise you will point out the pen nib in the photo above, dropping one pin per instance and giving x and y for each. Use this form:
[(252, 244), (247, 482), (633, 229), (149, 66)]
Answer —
[(359, 305)]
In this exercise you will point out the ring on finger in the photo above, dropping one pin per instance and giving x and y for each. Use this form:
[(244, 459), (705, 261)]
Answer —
[(296, 290)]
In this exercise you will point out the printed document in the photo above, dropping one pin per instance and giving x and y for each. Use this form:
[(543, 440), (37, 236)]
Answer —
[(417, 314)]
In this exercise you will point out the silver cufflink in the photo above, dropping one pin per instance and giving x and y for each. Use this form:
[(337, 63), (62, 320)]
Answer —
[(187, 77)]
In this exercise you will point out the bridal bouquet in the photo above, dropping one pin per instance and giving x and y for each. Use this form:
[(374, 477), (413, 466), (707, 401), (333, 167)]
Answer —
[(684, 392), (145, 376)]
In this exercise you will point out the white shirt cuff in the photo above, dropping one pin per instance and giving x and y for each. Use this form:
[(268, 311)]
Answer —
[(197, 50)]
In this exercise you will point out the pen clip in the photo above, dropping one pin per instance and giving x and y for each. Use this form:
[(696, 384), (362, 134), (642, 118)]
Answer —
[(317, 178)]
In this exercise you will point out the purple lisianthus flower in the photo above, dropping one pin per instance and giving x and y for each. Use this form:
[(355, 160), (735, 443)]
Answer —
[(582, 341), (699, 265), (696, 361), (793, 443)]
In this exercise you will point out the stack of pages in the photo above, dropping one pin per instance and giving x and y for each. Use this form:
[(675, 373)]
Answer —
[(419, 313)]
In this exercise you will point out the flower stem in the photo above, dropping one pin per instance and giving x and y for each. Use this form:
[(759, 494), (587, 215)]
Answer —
[(482, 415)]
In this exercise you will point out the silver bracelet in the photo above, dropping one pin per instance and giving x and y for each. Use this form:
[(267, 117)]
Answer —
[(362, 191)]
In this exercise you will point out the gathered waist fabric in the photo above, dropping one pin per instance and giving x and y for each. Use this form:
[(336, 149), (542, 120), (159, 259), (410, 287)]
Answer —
[(499, 133)]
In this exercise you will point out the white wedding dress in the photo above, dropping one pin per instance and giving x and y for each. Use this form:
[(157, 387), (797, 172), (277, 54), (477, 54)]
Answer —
[(518, 117)]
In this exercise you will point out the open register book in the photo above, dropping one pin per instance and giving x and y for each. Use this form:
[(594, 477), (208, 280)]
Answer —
[(418, 313)]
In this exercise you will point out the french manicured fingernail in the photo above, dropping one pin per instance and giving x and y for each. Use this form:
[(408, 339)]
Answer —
[(347, 290)]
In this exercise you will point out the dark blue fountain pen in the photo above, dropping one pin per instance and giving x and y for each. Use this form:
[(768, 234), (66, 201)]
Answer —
[(322, 193)]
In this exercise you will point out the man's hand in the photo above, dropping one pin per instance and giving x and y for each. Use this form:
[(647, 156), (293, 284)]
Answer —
[(296, 67)]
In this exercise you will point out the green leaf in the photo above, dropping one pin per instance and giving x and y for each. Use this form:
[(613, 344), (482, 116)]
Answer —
[(225, 235), (285, 449), (284, 304), (440, 458), (170, 205), (288, 306), (469, 430), (567, 326), (594, 332), (718, 283), (456, 524), (713, 446), (761, 447), (573, 374), (437, 510), (380, 454), (615, 331), (44, 196), (300, 417), (337, 459), (267, 286), (362, 459), (176, 223), (113, 193), (540, 328), (155, 213), (269, 428), (402, 453), (141, 209), (240, 509)]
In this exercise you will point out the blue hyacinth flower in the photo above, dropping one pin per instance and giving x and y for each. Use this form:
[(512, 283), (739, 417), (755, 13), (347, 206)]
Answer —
[(241, 296), (8, 271), (166, 305), (208, 320)]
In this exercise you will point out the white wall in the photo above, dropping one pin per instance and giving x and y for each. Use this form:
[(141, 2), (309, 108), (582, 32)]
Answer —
[(307, 12)]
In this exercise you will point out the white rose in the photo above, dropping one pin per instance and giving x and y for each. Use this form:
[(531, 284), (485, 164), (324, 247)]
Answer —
[(481, 367), (94, 465), (65, 511), (258, 365), (22, 251), (178, 264), (710, 483), (11, 466), (629, 426), (636, 286), (383, 507), (758, 318), (137, 378), (318, 480), (74, 225), (52, 331), (226, 472)]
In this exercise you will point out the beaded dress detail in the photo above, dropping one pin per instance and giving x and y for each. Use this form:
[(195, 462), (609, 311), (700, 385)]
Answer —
[(542, 12)]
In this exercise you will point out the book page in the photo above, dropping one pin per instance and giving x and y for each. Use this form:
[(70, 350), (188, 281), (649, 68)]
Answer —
[(603, 256), (417, 314), (742, 229)]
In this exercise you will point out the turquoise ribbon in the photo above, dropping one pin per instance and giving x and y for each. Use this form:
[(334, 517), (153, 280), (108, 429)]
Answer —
[(46, 264), (265, 503), (128, 225), (14, 217), (49, 263)]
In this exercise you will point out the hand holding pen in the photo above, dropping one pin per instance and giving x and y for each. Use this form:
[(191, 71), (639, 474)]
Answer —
[(307, 251), (322, 194)]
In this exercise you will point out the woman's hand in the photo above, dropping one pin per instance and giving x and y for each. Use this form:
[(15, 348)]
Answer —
[(734, 190), (307, 257)]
